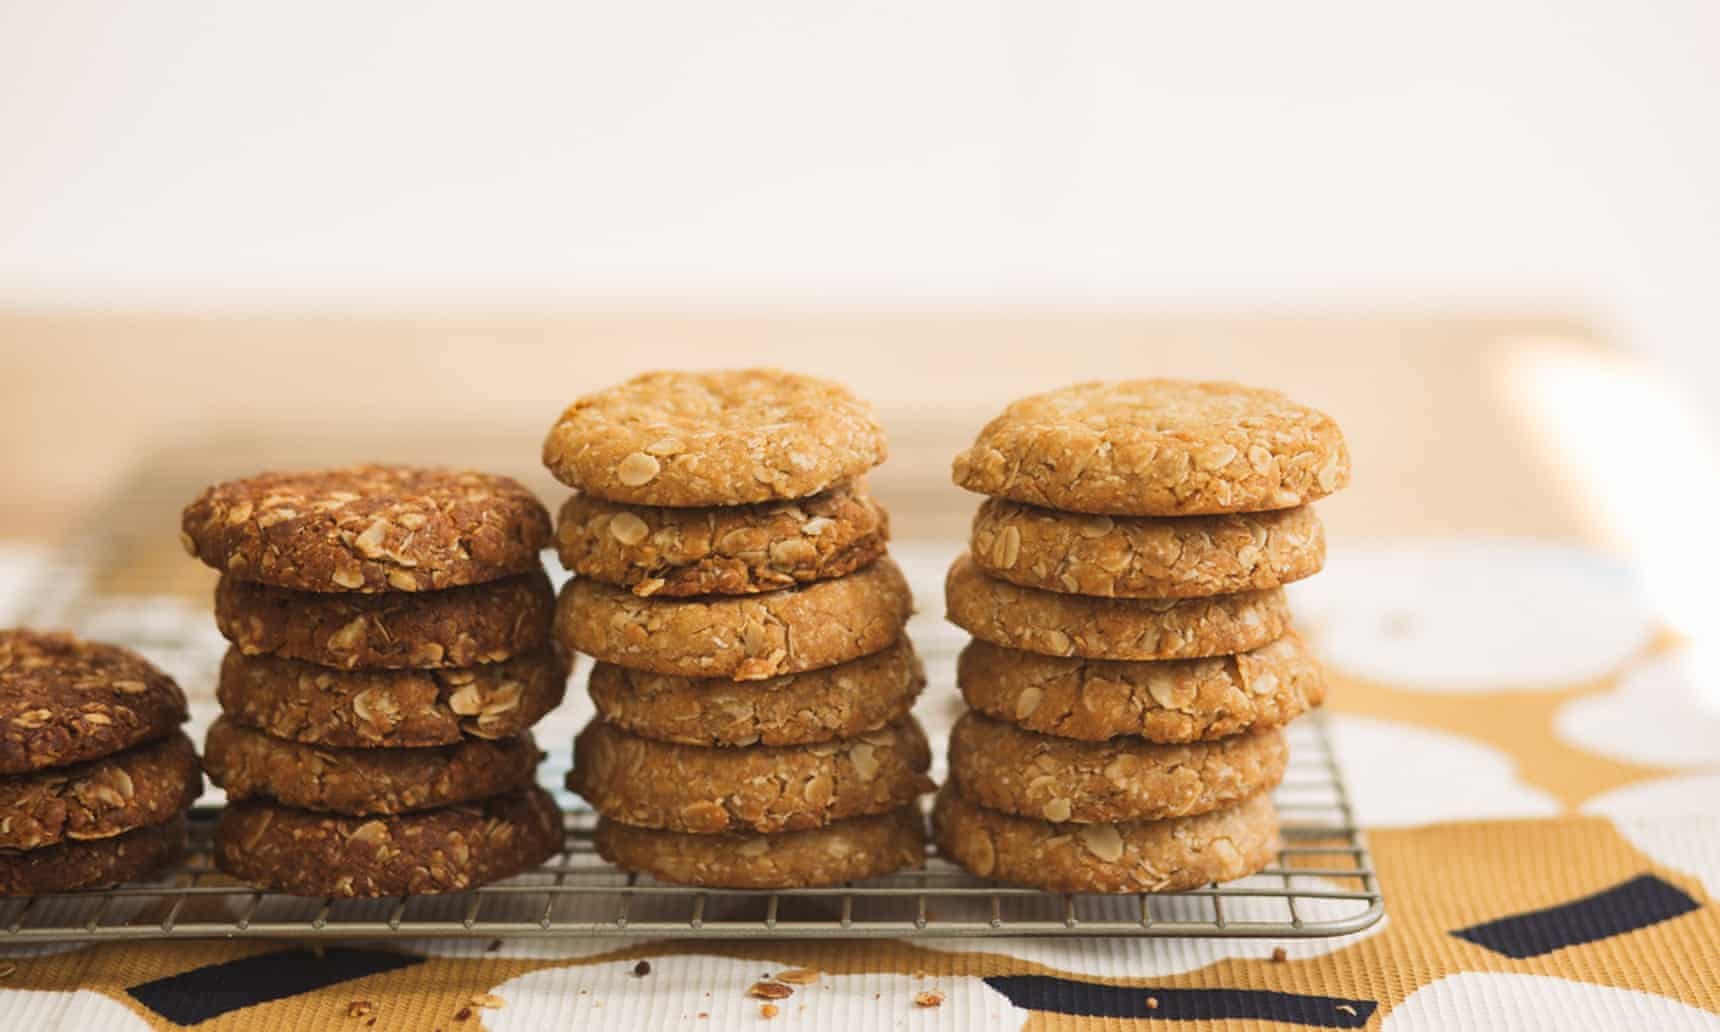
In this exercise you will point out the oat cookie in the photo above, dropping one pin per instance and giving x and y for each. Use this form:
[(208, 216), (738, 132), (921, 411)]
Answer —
[(746, 637), (1140, 856), (1146, 556), (1157, 448), (365, 781), (450, 849), (1186, 700), (483, 623), (304, 702), (367, 528), (1002, 767), (1056, 624), (713, 438), (798, 709), (704, 790), (146, 784), (63, 700), (93, 864), (731, 550), (850, 850)]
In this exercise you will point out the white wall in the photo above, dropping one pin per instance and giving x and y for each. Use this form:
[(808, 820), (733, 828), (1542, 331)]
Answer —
[(836, 153)]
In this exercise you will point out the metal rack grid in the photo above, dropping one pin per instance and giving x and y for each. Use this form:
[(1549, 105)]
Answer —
[(1321, 884)]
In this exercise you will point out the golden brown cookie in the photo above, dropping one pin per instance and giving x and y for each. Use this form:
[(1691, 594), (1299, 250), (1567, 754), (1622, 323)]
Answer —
[(1140, 856), (732, 550), (291, 699), (1146, 556), (1184, 700), (1056, 624), (365, 781), (146, 784), (850, 850), (703, 790), (731, 437), (746, 637), (450, 849), (368, 528), (1002, 767), (1157, 448), (799, 709), (483, 623), (63, 700), (93, 864)]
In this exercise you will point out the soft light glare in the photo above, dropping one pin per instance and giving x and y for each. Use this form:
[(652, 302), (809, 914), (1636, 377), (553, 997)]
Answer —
[(1644, 462)]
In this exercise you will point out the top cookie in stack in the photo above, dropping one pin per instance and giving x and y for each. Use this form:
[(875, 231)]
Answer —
[(753, 682), (391, 651), (1133, 662)]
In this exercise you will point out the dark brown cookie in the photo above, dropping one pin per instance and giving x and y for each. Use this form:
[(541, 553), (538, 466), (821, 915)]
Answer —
[(368, 528), (63, 700), (146, 784), (800, 709), (726, 550), (450, 849), (365, 781), (850, 850), (288, 698), (96, 864), (484, 623), (705, 790)]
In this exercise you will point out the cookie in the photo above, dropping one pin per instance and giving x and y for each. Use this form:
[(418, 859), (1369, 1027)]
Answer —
[(144, 785), (450, 849), (64, 700), (368, 528), (1185, 700), (1002, 767), (1056, 624), (1139, 856), (1146, 556), (304, 702), (799, 709), (746, 637), (365, 781), (93, 864), (483, 623), (731, 437), (1157, 448), (734, 550), (702, 790), (850, 850)]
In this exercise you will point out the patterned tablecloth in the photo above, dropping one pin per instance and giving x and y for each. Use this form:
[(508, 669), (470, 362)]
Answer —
[(1533, 753)]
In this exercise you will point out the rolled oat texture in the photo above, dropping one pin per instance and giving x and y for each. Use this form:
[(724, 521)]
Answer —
[(729, 550), (1146, 556), (1157, 448), (703, 790), (93, 863), (744, 637), (713, 438), (797, 709), (64, 700), (1142, 856), (1055, 624), (368, 529), (98, 799), (460, 627), (1185, 700)]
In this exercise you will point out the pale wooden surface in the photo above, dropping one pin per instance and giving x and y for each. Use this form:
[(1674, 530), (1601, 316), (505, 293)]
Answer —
[(90, 400)]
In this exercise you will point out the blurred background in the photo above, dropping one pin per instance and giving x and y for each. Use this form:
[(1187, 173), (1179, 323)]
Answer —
[(1483, 235)]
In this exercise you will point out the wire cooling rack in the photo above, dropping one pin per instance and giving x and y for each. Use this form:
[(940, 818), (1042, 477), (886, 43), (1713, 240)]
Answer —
[(1322, 883)]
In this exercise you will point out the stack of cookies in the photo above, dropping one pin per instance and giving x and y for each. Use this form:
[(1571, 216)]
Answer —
[(1133, 662), (95, 774), (753, 682), (390, 652)]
